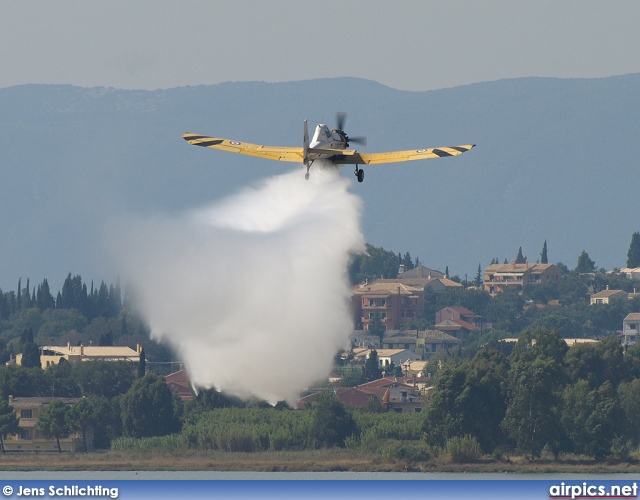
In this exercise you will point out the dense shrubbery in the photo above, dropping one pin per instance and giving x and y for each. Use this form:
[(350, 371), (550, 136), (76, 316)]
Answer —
[(463, 449)]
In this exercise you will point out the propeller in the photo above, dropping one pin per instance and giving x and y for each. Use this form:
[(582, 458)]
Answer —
[(341, 119)]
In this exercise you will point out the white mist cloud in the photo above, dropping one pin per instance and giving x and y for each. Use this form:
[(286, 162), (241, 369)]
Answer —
[(253, 291)]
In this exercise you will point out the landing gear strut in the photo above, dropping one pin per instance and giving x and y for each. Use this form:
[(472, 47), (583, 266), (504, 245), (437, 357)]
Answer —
[(359, 174), (308, 163)]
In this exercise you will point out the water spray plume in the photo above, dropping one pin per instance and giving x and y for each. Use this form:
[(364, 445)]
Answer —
[(252, 293)]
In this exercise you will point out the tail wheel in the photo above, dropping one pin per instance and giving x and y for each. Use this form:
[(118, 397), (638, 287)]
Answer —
[(360, 175)]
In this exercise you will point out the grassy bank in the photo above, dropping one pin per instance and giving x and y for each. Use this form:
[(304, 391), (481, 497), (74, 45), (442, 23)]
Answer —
[(294, 461)]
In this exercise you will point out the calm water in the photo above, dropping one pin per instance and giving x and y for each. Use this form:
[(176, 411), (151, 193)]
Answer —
[(248, 476)]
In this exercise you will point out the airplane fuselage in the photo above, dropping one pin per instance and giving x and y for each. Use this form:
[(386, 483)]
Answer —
[(323, 138)]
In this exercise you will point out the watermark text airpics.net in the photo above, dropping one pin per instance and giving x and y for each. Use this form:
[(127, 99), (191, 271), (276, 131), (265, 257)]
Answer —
[(586, 490)]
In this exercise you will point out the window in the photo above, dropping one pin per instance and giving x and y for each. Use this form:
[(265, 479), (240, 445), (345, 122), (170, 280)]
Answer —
[(25, 433), (418, 409), (26, 413), (633, 326), (384, 315)]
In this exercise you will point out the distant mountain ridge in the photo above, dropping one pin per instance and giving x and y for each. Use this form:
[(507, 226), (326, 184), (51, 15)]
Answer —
[(556, 160)]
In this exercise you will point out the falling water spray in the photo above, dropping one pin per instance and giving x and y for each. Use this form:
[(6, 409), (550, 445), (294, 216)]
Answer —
[(252, 292)]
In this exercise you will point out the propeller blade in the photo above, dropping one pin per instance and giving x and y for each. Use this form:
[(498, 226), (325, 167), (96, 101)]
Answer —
[(341, 118), (358, 140)]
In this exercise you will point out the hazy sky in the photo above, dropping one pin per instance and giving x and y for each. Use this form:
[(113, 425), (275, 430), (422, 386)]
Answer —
[(409, 45)]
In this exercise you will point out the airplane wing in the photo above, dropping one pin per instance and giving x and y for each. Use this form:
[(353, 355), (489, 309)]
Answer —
[(245, 148), (411, 154)]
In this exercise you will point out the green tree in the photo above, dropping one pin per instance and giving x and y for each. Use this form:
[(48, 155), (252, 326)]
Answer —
[(106, 339), (408, 263), (109, 424), (376, 327), (591, 418), (61, 381), (544, 259), (633, 256), (520, 259), (142, 365), (371, 370), (52, 421), (629, 397), (505, 311), (21, 381), (536, 380), (604, 422), (375, 263), (469, 399), (150, 408), (81, 417), (332, 423), (534, 406), (478, 279), (105, 378), (8, 422), (31, 355), (207, 400), (585, 264), (26, 336), (44, 299), (443, 418), (585, 363)]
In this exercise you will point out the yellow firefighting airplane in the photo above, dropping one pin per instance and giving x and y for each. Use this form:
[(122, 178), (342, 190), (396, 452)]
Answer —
[(328, 145)]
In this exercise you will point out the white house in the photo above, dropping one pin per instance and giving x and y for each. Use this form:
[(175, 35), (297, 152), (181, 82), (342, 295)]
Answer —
[(630, 329), (387, 356)]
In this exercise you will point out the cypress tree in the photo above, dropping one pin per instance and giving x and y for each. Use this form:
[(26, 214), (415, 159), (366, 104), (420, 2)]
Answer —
[(31, 355), (543, 256), (478, 281), (142, 365), (633, 256), (520, 259)]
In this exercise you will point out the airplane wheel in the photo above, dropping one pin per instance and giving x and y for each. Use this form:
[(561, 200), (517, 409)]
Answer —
[(360, 175), (306, 176)]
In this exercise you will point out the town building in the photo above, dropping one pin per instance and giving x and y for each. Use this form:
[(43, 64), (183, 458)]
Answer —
[(413, 369), (395, 304), (29, 437), (390, 393), (398, 396), (432, 341), (632, 273), (423, 277), (179, 383), (607, 296), (385, 356), (458, 313), (457, 328), (501, 277), (422, 342), (630, 329), (51, 355)]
